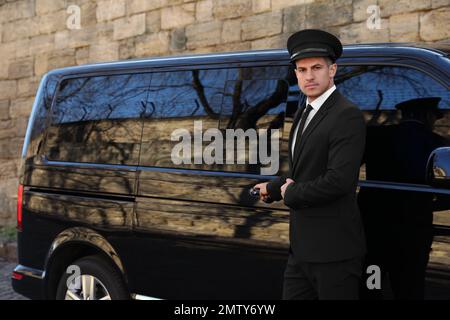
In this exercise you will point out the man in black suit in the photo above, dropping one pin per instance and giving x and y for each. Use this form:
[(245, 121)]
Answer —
[(326, 146), (399, 229)]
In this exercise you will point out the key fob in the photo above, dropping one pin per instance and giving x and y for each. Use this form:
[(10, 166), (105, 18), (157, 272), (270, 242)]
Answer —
[(254, 192)]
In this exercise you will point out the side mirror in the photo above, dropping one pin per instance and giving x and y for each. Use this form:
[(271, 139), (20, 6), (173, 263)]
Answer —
[(438, 168)]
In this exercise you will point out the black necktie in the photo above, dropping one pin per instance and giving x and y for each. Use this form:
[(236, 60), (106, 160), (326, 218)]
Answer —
[(302, 125)]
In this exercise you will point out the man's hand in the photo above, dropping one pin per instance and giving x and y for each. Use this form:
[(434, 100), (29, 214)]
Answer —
[(263, 194), (284, 186)]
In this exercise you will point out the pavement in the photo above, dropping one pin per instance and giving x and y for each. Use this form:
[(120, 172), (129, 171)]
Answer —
[(438, 282), (437, 279), (6, 291)]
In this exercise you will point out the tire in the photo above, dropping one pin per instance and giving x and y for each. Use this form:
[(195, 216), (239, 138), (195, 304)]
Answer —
[(94, 272)]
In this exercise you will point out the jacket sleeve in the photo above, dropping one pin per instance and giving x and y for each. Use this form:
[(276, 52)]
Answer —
[(273, 187), (345, 152)]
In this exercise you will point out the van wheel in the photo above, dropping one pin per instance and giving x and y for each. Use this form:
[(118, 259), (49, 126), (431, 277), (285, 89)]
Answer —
[(97, 280)]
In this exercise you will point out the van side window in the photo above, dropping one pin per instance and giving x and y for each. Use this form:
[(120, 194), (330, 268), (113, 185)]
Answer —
[(382, 87), (255, 101), (97, 119), (41, 116), (181, 106), (44, 105), (399, 140)]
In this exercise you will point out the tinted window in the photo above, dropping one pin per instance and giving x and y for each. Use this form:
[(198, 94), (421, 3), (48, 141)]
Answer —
[(44, 106), (255, 102), (398, 141), (247, 98), (41, 117), (382, 87), (178, 103), (97, 119)]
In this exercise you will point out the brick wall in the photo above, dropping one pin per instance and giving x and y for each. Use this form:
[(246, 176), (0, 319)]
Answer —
[(35, 38)]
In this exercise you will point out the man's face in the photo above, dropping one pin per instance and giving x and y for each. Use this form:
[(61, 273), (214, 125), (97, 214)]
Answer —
[(314, 76)]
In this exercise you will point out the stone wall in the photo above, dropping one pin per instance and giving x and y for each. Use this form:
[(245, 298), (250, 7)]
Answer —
[(39, 35)]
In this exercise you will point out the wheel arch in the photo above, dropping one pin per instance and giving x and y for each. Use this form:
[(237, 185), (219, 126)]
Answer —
[(73, 244)]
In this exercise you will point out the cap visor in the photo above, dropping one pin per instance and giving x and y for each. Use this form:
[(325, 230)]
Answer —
[(309, 55)]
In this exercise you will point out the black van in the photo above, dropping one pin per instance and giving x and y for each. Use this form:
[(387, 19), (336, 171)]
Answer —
[(102, 193)]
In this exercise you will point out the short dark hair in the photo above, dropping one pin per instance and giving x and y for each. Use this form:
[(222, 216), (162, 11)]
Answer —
[(328, 60)]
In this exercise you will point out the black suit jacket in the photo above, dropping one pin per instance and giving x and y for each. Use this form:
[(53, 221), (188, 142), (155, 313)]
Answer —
[(325, 222)]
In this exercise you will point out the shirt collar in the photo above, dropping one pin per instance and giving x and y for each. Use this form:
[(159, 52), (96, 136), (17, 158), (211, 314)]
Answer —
[(316, 104)]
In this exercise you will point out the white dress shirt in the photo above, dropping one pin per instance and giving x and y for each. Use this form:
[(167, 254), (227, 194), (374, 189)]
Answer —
[(316, 104)]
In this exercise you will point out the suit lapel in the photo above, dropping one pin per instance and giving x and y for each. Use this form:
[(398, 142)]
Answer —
[(313, 124)]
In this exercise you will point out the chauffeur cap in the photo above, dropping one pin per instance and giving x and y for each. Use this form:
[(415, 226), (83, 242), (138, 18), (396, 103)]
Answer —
[(313, 43), (421, 105)]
